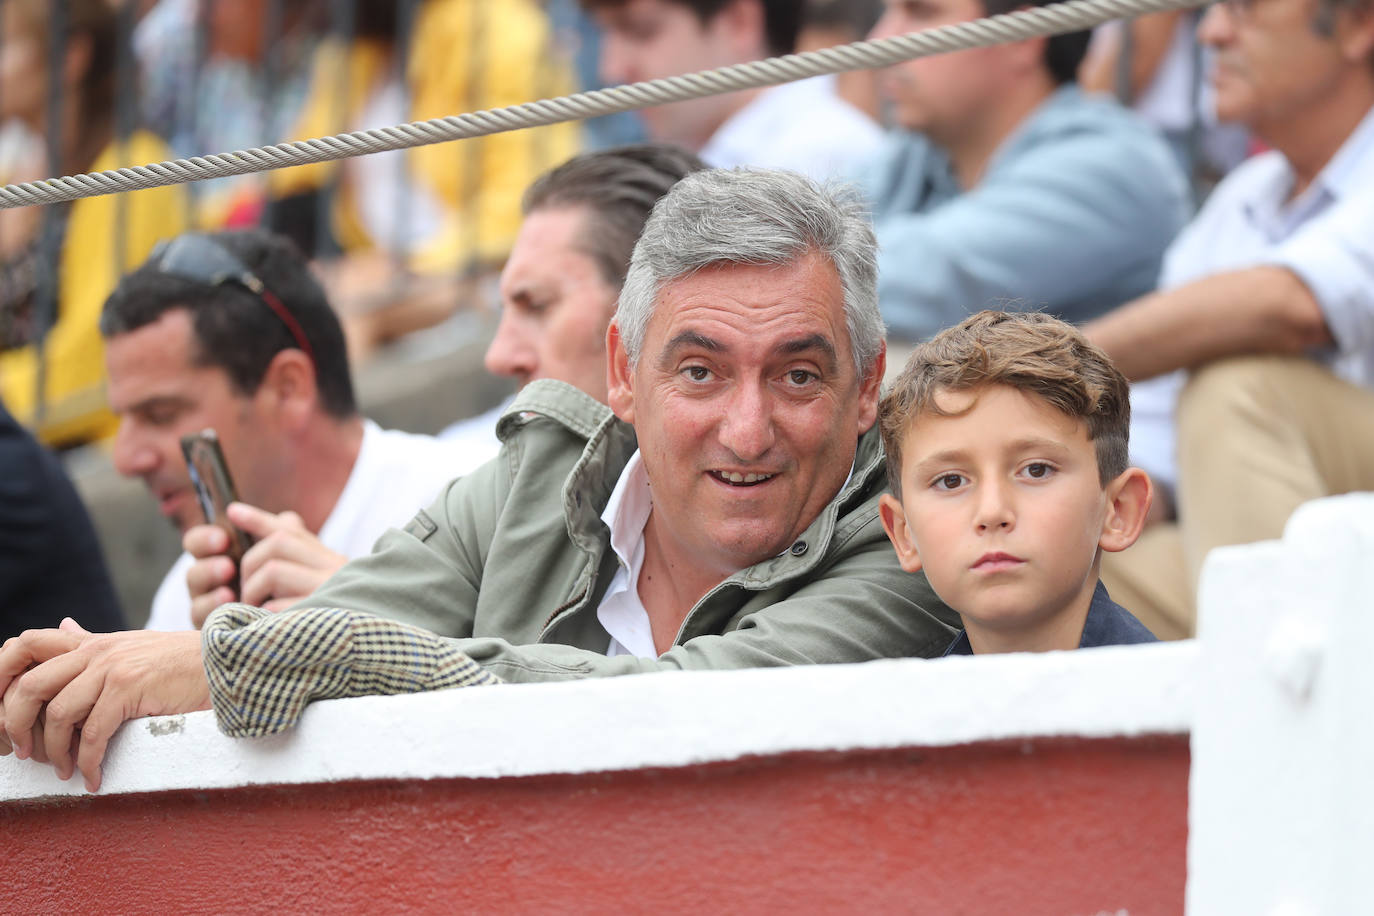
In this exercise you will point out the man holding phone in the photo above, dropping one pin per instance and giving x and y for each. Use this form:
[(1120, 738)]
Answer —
[(229, 331), (558, 290)]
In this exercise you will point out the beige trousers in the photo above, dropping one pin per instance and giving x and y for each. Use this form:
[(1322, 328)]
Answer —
[(1257, 437)]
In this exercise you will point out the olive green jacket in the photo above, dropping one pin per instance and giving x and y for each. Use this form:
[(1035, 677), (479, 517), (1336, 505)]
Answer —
[(513, 560)]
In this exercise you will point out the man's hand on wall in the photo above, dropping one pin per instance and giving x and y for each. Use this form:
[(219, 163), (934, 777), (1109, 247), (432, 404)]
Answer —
[(91, 683)]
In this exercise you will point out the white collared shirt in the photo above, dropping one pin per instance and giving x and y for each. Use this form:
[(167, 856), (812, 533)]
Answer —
[(621, 612), (1325, 236)]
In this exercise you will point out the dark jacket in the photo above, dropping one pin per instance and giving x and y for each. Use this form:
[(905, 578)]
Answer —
[(50, 561), (1108, 624)]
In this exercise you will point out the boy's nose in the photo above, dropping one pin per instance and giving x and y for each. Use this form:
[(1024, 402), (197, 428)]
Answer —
[(995, 509)]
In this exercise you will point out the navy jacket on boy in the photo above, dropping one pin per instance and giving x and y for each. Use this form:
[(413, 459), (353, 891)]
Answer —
[(1108, 624)]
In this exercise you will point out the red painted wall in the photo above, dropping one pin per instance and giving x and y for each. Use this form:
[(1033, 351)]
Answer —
[(1066, 826)]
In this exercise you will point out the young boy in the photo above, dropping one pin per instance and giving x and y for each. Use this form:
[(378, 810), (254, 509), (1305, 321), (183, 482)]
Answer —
[(1006, 454)]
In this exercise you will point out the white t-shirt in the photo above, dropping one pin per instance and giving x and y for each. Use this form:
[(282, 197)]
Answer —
[(802, 126), (477, 433), (1325, 236), (396, 474)]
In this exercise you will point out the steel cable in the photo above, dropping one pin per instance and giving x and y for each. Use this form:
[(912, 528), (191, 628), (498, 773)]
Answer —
[(1030, 23)]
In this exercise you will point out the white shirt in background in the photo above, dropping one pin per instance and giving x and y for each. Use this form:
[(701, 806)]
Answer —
[(396, 474), (1325, 236), (478, 433), (802, 126)]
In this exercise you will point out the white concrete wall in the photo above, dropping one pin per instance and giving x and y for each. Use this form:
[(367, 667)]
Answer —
[(658, 720), (1276, 692), (1281, 797)]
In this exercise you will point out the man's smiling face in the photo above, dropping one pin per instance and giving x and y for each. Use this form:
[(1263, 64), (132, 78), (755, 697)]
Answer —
[(747, 406)]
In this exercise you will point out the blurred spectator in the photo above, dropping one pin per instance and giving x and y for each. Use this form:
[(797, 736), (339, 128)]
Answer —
[(1161, 77), (1009, 187), (89, 241), (1267, 297), (50, 562), (230, 331), (560, 286), (804, 126), (206, 86), (430, 210), (576, 31), (827, 23)]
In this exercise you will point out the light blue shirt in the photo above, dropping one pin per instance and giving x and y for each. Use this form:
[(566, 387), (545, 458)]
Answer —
[(1072, 217)]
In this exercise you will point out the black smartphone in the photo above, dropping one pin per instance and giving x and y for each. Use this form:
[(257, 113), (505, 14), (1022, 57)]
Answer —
[(215, 490)]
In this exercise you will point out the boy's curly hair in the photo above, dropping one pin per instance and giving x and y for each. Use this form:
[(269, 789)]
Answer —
[(1029, 351)]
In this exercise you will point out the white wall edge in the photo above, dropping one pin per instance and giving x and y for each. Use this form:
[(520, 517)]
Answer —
[(658, 720)]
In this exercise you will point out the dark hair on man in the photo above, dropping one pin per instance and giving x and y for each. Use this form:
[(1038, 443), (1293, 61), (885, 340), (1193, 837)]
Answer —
[(235, 329), (1063, 53), (856, 17), (781, 18), (618, 187), (1029, 351)]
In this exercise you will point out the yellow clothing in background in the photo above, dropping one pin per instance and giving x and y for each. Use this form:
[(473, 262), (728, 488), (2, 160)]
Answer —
[(89, 267), (466, 55)]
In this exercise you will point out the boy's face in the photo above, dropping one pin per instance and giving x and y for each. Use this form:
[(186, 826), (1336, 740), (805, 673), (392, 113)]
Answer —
[(1003, 508)]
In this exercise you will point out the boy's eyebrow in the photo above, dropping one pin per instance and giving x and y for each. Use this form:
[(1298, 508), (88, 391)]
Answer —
[(956, 455), (948, 456), (1035, 443)]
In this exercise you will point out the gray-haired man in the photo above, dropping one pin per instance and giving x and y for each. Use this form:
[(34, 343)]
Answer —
[(723, 513)]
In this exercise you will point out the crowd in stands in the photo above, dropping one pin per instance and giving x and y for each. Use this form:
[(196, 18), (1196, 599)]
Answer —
[(983, 352)]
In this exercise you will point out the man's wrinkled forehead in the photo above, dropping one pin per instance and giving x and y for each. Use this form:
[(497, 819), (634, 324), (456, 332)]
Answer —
[(816, 346), (815, 301)]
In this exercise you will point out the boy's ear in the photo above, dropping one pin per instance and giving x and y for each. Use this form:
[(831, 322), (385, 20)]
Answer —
[(894, 523), (1128, 502)]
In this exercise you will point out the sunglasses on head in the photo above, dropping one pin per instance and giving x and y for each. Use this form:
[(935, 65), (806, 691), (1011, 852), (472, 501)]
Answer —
[(200, 259)]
